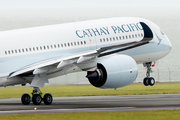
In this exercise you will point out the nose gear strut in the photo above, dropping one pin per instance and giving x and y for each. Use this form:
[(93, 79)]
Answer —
[(148, 80)]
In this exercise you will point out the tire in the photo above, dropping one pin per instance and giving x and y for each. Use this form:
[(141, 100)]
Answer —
[(25, 99), (145, 81), (151, 81), (47, 99), (36, 99)]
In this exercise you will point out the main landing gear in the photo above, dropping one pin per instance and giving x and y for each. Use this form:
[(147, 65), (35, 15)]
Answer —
[(148, 80), (36, 98)]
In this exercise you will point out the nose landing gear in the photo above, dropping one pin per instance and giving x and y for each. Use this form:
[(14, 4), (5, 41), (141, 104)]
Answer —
[(148, 80), (36, 98)]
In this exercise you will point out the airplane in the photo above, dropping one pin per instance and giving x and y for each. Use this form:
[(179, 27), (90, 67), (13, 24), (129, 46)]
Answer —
[(107, 49)]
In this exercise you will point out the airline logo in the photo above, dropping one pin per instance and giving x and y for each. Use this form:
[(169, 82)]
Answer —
[(158, 39), (106, 30)]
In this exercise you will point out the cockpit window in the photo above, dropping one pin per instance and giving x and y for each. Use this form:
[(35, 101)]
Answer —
[(162, 32)]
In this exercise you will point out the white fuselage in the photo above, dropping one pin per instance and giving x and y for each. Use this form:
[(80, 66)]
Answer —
[(19, 48)]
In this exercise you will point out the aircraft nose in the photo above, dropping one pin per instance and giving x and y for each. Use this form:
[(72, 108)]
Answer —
[(168, 44)]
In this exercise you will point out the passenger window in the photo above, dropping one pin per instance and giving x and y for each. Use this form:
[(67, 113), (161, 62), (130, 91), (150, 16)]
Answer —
[(116, 38), (54, 46), (119, 37), (100, 40), (6, 52), (104, 39), (84, 42)]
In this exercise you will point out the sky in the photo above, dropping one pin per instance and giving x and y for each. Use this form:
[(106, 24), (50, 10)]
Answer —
[(77, 2), (86, 9), (57, 4)]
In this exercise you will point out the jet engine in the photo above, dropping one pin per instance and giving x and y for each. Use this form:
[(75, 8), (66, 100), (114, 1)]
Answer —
[(114, 72)]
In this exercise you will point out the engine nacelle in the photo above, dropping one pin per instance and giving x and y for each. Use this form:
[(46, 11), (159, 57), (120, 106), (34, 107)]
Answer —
[(114, 72)]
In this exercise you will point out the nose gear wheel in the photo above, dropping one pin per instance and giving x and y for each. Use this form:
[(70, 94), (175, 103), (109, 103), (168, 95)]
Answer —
[(148, 80)]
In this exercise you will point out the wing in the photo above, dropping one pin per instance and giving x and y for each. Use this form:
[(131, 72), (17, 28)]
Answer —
[(39, 70), (59, 62)]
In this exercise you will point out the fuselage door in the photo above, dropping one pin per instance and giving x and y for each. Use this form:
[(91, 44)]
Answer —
[(93, 44)]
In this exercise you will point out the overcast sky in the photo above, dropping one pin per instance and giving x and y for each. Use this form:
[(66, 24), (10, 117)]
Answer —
[(85, 3), (102, 8)]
